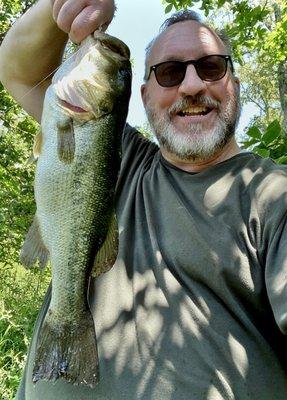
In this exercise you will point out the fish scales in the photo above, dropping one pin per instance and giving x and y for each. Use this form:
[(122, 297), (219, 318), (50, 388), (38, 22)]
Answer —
[(83, 118)]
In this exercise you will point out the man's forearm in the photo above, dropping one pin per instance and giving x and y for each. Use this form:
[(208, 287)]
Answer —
[(37, 43)]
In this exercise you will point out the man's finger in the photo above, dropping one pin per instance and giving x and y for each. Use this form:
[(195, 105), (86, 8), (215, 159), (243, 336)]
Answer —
[(87, 22), (56, 6), (69, 10)]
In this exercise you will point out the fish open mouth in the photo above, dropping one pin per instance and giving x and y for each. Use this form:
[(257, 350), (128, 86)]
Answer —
[(194, 111), (72, 107)]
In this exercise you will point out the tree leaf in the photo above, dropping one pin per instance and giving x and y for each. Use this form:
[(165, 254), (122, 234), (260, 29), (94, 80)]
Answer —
[(262, 152), (272, 132), (248, 143), (281, 160), (254, 132), (168, 8)]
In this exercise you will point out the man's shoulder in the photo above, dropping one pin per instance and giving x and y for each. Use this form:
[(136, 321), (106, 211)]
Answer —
[(268, 170), (138, 152), (264, 168), (268, 183), (135, 145)]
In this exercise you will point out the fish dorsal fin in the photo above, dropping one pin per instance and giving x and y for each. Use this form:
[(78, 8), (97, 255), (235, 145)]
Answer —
[(33, 249), (107, 254)]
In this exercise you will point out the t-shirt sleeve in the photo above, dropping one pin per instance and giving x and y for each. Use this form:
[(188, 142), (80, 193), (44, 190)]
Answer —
[(274, 244), (137, 150), (135, 145), (276, 274)]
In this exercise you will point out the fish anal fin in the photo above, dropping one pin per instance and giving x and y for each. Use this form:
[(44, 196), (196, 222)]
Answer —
[(33, 248), (108, 252), (66, 141)]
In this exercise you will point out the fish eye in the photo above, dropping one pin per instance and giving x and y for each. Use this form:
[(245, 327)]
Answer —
[(108, 45)]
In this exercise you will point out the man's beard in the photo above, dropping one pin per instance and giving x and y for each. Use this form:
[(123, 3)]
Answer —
[(197, 142)]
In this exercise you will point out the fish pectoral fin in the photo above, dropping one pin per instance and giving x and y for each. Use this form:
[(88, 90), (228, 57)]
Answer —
[(66, 141), (106, 256), (33, 248)]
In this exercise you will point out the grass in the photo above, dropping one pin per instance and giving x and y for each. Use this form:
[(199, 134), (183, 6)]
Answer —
[(21, 294)]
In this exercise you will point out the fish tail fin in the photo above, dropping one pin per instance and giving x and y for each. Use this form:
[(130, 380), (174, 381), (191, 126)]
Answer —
[(67, 351), (33, 248)]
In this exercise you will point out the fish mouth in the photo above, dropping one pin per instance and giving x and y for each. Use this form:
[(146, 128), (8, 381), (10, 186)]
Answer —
[(74, 111), (94, 78), (73, 107)]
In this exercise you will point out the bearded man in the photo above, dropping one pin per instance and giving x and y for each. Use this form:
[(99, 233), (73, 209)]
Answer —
[(195, 307)]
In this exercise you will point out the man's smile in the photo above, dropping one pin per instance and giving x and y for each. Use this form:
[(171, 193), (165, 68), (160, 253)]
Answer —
[(194, 111), (194, 114)]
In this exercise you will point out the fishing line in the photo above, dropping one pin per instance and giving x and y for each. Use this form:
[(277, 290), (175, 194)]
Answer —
[(38, 84)]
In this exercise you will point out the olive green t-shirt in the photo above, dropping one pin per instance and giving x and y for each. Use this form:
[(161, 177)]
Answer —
[(195, 307)]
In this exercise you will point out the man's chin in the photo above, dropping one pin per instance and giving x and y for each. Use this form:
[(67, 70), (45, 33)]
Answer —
[(194, 146)]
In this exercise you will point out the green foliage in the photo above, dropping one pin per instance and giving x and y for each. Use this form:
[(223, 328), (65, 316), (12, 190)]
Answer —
[(206, 5), (16, 177), (21, 293), (269, 143), (252, 25)]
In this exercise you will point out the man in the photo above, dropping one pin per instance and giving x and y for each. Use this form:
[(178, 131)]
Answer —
[(195, 307)]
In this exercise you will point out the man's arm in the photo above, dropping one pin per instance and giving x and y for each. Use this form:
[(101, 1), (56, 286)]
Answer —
[(34, 46)]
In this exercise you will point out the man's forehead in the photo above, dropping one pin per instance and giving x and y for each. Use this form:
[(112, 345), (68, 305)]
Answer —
[(189, 39)]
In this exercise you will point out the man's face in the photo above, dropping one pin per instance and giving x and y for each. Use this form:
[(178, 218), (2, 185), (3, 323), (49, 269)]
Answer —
[(195, 119)]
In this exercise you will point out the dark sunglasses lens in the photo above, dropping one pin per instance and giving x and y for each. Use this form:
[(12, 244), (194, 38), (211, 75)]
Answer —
[(211, 68), (170, 73)]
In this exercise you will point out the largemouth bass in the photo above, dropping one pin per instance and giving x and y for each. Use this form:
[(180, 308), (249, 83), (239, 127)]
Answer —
[(84, 114)]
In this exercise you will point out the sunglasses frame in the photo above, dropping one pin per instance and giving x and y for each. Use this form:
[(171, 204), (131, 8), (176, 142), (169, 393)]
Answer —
[(226, 58)]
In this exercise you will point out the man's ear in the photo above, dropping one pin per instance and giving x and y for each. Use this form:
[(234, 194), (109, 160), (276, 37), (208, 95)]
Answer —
[(237, 80), (143, 94)]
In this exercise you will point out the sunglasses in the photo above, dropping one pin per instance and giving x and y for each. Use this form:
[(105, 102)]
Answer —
[(209, 68)]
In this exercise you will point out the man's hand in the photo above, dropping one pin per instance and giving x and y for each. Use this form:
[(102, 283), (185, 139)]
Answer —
[(79, 18)]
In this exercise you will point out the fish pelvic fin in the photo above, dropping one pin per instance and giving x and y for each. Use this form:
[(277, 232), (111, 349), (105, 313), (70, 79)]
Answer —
[(33, 248), (106, 256), (67, 352), (37, 146), (66, 140)]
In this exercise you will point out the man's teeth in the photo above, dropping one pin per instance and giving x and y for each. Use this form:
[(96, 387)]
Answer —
[(196, 110)]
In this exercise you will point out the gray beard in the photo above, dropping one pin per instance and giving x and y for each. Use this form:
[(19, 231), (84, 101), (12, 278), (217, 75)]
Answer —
[(196, 143)]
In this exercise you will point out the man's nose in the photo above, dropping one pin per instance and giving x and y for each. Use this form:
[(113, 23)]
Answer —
[(192, 83)]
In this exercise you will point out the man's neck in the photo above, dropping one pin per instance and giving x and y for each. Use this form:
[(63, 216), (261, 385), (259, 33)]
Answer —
[(197, 165)]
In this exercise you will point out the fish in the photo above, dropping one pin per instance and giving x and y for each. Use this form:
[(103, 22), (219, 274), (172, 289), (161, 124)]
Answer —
[(75, 227)]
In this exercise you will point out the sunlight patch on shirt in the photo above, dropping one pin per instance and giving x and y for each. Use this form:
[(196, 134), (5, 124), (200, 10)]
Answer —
[(239, 355), (225, 391)]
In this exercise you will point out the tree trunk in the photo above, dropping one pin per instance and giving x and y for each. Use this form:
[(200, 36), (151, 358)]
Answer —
[(282, 76)]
